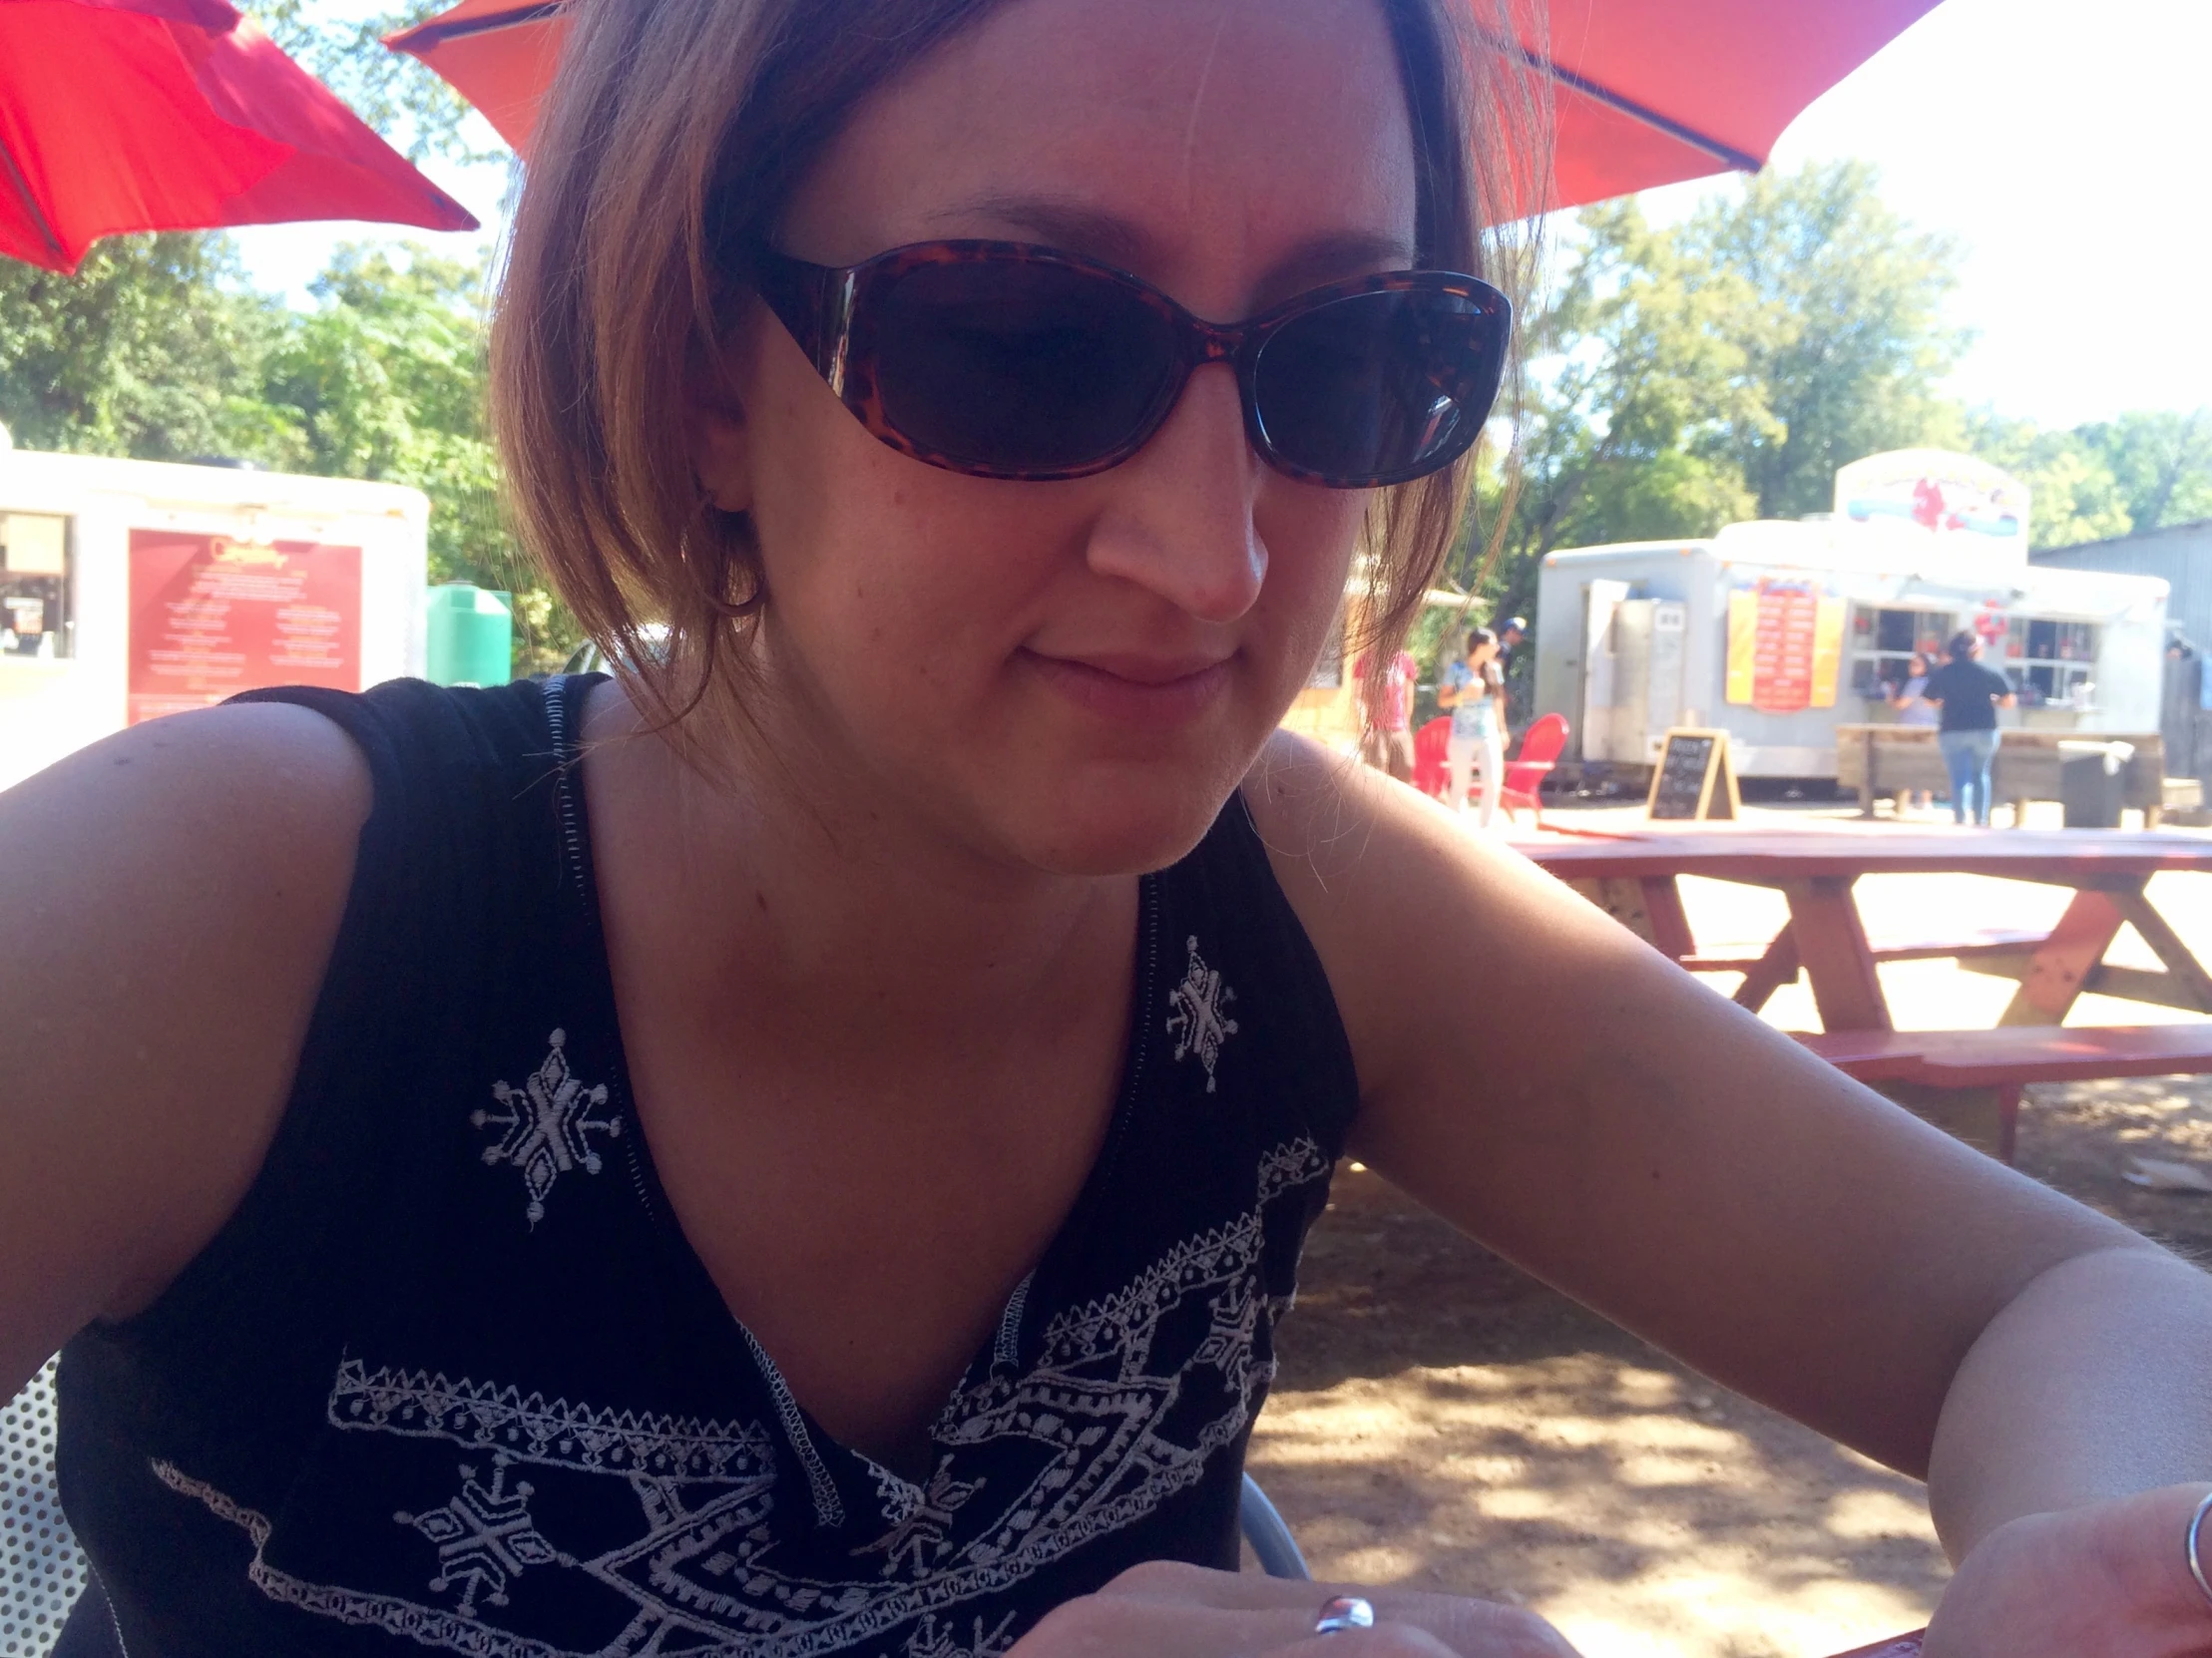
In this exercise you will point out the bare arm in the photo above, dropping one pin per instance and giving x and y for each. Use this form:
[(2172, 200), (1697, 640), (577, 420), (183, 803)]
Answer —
[(1672, 1161), (174, 893)]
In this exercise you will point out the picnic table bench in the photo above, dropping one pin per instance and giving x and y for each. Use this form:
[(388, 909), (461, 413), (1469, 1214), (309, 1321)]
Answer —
[(1969, 1082), (1966, 1081)]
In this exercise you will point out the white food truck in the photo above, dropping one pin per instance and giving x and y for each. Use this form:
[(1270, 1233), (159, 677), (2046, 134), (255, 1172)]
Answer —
[(1779, 632), (135, 589)]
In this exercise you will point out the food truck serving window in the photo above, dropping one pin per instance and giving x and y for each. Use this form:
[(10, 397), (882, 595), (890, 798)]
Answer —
[(2051, 662), (34, 586), (1883, 642)]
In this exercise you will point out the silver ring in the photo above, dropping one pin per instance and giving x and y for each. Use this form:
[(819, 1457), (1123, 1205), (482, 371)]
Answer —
[(1342, 1612), (2188, 1546)]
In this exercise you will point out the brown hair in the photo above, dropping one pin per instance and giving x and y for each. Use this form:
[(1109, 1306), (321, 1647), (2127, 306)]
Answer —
[(613, 298)]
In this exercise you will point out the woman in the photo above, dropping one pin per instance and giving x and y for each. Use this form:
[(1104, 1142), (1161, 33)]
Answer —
[(1474, 688), (1913, 709), (802, 1147), (1967, 697)]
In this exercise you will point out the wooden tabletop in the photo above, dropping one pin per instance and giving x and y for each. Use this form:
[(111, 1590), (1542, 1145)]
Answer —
[(2067, 857)]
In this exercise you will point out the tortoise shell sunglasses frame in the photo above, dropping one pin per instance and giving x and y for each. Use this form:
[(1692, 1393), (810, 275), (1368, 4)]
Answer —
[(835, 313)]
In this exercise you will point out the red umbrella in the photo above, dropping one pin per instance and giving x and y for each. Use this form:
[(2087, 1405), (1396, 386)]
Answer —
[(1645, 92), (177, 114)]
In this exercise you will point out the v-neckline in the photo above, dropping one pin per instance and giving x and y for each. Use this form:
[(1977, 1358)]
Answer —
[(1001, 1348)]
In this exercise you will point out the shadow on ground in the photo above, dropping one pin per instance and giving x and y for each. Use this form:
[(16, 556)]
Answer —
[(1443, 1419)]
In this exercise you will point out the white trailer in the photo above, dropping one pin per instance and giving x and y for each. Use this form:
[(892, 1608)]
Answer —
[(132, 589), (1777, 632)]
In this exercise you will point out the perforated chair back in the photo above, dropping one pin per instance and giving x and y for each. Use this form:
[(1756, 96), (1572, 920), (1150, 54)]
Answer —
[(40, 1569)]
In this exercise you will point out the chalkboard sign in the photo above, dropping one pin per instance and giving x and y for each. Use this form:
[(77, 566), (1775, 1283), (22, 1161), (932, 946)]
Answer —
[(1694, 778)]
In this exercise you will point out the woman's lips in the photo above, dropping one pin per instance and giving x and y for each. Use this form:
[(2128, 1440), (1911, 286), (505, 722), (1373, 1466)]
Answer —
[(1142, 692)]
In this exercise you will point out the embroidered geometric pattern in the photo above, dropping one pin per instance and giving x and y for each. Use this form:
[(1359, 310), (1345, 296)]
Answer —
[(424, 1625), (934, 1640), (547, 1125), (1132, 1396), (554, 1433), (1198, 1016), (1295, 1164), (484, 1537), (916, 1540)]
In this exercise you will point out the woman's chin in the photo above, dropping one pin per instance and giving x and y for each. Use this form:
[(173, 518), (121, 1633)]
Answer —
[(1108, 826)]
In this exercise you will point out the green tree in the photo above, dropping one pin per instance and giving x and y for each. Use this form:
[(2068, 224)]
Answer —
[(2074, 496), (1720, 369), (386, 381), (1843, 337), (2142, 470), (150, 349), (397, 96), (2161, 463)]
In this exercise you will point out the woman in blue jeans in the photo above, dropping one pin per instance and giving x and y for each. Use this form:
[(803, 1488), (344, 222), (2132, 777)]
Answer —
[(1968, 695)]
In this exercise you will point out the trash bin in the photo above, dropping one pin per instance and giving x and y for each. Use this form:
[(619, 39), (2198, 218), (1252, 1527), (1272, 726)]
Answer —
[(470, 637), (2089, 778)]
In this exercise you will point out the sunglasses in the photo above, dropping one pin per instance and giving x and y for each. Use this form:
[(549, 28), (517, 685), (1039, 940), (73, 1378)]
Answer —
[(1001, 360)]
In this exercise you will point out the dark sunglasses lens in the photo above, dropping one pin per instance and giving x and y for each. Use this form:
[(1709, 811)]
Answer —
[(1379, 387), (1013, 367)]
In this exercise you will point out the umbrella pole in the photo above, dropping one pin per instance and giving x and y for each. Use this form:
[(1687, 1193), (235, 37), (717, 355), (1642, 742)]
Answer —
[(29, 205)]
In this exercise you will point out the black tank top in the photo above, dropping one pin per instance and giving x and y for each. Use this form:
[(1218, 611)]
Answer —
[(451, 1379)]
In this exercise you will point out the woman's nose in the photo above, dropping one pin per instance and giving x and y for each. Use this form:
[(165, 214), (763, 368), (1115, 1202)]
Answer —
[(1178, 519)]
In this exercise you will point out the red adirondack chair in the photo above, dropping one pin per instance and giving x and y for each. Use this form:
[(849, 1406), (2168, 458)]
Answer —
[(1432, 772), (1539, 752)]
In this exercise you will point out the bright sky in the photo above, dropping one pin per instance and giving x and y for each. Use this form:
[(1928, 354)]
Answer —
[(2067, 147)]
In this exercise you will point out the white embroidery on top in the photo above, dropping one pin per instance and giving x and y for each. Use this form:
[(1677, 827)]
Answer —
[(916, 1543), (932, 1639), (548, 1125), (485, 1536), (1132, 1396), (1197, 1012)]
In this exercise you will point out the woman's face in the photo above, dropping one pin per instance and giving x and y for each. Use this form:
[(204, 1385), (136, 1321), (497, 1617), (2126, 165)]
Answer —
[(1072, 675)]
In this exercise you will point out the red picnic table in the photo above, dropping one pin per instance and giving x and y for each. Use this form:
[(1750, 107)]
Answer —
[(1633, 876), (1967, 1082)]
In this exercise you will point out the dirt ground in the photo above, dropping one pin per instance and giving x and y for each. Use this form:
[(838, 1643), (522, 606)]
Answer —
[(1445, 1421)]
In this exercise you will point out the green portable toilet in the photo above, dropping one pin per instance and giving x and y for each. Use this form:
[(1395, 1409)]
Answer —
[(471, 636)]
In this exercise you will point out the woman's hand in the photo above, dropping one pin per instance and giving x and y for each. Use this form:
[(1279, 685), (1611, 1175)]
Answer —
[(2105, 1580), (1166, 1610)]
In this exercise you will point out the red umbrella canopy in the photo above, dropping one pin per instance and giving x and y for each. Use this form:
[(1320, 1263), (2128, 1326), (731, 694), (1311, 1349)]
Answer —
[(1644, 92), (1654, 91), (177, 114)]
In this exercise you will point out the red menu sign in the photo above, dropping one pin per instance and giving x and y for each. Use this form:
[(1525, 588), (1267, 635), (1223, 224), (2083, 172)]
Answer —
[(211, 616), (1781, 654)]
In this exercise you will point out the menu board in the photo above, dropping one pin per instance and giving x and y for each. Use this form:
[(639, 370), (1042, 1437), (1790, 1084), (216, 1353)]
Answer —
[(211, 616), (1785, 647), (1693, 779)]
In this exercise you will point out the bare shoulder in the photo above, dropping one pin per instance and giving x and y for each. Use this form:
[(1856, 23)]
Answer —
[(173, 894), (1406, 905)]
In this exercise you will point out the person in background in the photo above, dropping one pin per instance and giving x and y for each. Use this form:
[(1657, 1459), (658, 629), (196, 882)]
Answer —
[(1912, 708), (1509, 643), (1473, 689), (1508, 639), (1386, 723), (1968, 695)]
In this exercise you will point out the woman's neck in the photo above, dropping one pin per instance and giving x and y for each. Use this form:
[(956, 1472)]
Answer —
[(786, 869)]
